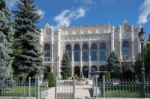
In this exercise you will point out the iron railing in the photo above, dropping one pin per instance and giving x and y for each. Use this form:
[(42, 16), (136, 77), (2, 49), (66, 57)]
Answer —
[(65, 89), (119, 88), (19, 88)]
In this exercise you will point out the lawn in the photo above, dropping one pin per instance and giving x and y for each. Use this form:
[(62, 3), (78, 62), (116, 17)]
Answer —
[(22, 91), (124, 91)]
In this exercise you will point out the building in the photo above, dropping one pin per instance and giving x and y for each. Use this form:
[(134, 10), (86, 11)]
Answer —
[(88, 47)]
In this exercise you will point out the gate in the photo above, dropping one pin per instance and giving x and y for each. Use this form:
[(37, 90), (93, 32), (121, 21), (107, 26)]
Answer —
[(65, 89)]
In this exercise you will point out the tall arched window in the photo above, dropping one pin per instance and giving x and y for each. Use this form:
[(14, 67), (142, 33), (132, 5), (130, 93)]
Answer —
[(46, 50), (85, 51), (77, 52), (94, 52), (102, 52), (68, 51), (125, 49)]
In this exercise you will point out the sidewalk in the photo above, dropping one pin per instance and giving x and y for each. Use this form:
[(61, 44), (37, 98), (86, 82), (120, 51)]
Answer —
[(82, 92)]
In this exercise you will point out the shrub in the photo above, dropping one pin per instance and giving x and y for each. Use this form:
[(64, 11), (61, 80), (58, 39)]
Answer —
[(51, 80)]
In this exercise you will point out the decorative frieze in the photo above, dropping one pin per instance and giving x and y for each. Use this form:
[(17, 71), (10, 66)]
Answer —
[(86, 37)]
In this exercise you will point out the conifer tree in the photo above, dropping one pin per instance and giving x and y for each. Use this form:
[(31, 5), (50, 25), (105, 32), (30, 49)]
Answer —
[(113, 64), (65, 67), (27, 49), (6, 35)]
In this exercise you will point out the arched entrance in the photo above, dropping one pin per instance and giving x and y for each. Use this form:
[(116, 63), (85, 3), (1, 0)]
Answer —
[(77, 71), (85, 71), (93, 69)]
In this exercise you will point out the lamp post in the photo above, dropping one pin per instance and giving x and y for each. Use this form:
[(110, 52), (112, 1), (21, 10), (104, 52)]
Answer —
[(142, 84), (1, 43)]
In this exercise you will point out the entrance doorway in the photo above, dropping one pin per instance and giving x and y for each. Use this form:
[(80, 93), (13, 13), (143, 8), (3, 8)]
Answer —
[(77, 71), (85, 71)]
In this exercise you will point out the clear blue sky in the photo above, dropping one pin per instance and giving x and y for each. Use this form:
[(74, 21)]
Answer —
[(92, 12)]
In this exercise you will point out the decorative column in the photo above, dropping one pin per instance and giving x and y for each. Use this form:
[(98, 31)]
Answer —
[(90, 59), (120, 43), (52, 47), (112, 39), (58, 55), (81, 73), (72, 58), (139, 42), (98, 61), (132, 40)]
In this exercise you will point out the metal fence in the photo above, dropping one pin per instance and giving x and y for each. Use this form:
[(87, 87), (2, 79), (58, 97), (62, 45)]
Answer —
[(26, 89), (118, 88), (65, 89)]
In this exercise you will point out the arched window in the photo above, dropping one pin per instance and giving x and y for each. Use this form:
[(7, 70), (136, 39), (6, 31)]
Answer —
[(68, 51), (46, 50), (125, 49), (85, 51), (94, 52), (77, 52), (102, 52)]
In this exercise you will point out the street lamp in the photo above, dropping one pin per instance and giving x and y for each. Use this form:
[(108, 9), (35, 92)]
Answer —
[(142, 85)]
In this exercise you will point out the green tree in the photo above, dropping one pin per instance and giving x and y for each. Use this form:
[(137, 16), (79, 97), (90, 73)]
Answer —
[(137, 64), (65, 67), (27, 49), (113, 64), (5, 44)]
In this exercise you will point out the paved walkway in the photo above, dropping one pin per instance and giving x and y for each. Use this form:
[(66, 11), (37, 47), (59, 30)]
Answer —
[(81, 92)]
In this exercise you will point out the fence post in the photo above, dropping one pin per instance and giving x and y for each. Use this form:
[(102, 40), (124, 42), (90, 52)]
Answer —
[(103, 86), (94, 86), (73, 87), (29, 86), (38, 88), (56, 88)]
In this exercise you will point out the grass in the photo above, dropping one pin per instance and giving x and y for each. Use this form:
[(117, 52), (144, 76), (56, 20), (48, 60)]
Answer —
[(124, 91), (22, 91)]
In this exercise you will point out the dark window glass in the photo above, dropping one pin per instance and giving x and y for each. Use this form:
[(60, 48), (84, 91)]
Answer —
[(102, 52), (94, 52), (85, 51), (77, 52), (46, 50), (125, 49), (68, 51)]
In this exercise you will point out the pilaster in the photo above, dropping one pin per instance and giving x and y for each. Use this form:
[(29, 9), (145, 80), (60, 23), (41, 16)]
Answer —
[(120, 43), (89, 59), (81, 65), (112, 39), (52, 50), (72, 51), (58, 55), (132, 44)]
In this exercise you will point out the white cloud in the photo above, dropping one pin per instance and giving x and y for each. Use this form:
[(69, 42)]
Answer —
[(66, 16), (145, 12), (41, 13)]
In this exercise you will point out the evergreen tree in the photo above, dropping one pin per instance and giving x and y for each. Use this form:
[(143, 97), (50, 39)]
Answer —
[(6, 34), (113, 64), (65, 67), (27, 49)]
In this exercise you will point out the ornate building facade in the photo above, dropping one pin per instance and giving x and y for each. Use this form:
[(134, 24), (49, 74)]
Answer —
[(88, 47)]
